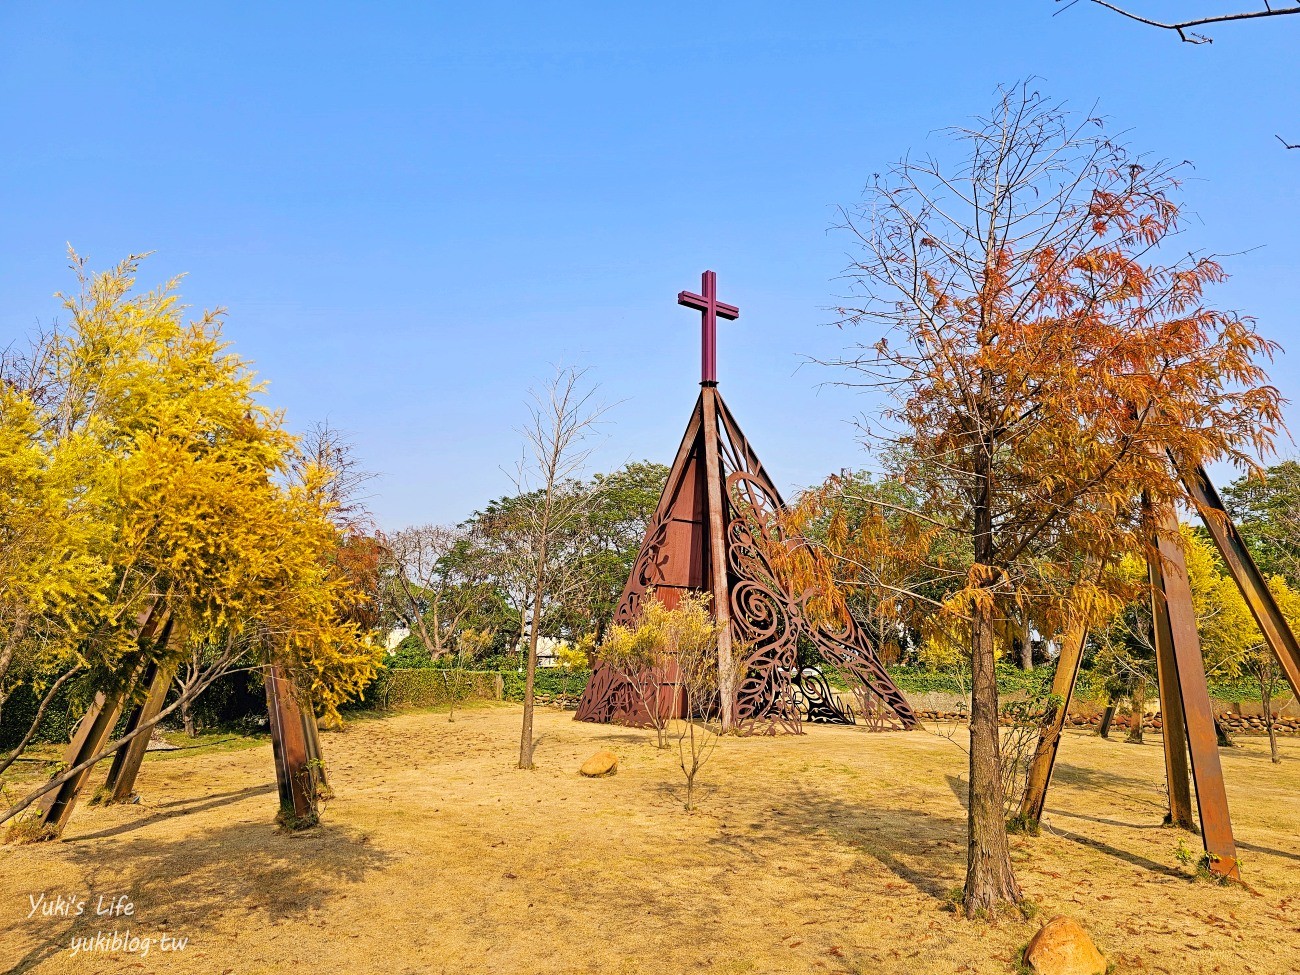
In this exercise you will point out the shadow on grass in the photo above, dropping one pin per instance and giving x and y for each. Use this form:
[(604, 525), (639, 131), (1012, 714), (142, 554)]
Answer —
[(675, 792), (925, 850), (186, 885), (1107, 779), (626, 737), (1126, 856), (182, 807), (915, 846), (1256, 848), (1121, 824)]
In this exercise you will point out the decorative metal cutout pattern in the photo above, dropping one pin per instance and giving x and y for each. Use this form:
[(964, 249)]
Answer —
[(818, 701), (876, 715), (765, 700), (761, 619), (612, 697), (647, 571), (767, 618)]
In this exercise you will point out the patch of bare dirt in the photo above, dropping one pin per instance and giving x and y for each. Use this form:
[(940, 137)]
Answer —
[(831, 852)]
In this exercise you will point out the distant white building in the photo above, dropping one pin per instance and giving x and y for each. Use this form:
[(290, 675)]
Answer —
[(548, 650), (395, 636)]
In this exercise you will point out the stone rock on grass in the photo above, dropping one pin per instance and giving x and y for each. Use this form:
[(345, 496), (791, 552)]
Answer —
[(1062, 947), (602, 763)]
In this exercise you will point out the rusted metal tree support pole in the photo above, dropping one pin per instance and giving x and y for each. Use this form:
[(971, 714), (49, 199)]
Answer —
[(1173, 720), (294, 775), (1049, 737), (1187, 680), (122, 774), (95, 729), (311, 737), (1251, 582)]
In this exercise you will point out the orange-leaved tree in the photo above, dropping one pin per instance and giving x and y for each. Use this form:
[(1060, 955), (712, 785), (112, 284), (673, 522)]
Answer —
[(1040, 349)]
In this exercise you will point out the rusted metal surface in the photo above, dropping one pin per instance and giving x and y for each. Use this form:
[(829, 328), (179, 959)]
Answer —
[(715, 522), (673, 559), (1175, 592), (1173, 719), (817, 701), (706, 302), (96, 728), (876, 715), (315, 756), (122, 774), (1049, 736), (293, 771), (1241, 565), (719, 584)]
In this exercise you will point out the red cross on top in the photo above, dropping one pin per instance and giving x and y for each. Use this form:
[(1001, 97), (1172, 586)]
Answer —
[(711, 309)]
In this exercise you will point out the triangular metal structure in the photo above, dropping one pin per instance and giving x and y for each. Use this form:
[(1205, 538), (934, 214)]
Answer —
[(715, 521)]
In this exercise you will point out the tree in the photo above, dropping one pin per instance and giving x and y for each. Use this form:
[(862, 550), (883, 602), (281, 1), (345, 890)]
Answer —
[(1260, 662), (1266, 510), (562, 417), (182, 499), (1039, 356), (624, 502), (885, 565), (690, 639), (641, 654), (436, 580), (457, 680)]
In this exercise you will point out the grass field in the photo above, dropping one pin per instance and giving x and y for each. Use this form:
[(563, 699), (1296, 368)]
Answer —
[(836, 851)]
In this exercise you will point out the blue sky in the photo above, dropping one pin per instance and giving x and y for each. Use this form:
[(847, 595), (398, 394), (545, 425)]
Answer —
[(412, 211)]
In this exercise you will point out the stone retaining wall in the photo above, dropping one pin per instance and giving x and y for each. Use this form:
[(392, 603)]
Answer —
[(1238, 717)]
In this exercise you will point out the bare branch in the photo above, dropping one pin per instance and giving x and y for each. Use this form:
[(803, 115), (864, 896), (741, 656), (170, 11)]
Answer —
[(1183, 28)]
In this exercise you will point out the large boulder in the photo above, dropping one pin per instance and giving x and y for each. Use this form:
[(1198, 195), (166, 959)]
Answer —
[(604, 762), (1062, 947)]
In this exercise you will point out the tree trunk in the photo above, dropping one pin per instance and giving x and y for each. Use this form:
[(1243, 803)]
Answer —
[(526, 734), (989, 877), (1138, 712), (1026, 644), (16, 633), (1266, 699), (187, 717)]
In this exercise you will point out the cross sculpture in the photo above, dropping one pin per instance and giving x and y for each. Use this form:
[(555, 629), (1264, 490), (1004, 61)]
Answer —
[(711, 309)]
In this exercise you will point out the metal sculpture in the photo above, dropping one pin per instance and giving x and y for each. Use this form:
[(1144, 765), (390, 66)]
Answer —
[(715, 524), (1190, 745), (817, 701)]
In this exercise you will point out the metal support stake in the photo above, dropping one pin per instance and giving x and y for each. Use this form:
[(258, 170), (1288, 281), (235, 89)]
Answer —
[(293, 772), (1175, 594), (1049, 737), (122, 774), (95, 729), (1241, 565)]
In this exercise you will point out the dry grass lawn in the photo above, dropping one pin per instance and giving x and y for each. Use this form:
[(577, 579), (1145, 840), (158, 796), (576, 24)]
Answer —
[(831, 852)]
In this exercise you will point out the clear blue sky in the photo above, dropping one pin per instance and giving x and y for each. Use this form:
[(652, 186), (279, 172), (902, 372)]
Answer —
[(412, 210)]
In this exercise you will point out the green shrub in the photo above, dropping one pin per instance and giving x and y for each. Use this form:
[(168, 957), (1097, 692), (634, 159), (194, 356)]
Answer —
[(548, 682)]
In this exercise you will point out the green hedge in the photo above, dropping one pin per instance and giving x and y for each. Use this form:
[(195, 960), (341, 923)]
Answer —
[(548, 682), (919, 680), (56, 727), (430, 687)]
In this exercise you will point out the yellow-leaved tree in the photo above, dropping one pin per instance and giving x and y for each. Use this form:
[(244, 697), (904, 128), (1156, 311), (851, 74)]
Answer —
[(161, 514)]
